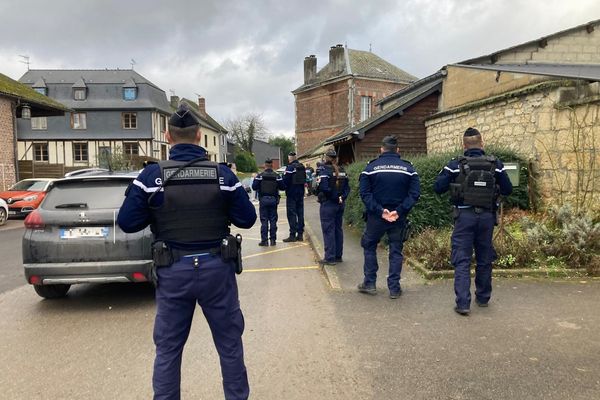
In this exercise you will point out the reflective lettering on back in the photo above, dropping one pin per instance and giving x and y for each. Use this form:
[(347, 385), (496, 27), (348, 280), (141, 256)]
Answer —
[(191, 173)]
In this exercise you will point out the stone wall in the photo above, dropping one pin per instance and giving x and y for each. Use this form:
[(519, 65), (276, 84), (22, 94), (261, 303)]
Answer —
[(7, 152), (558, 128)]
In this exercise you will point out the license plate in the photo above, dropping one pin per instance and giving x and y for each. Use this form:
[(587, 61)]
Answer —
[(83, 232), (12, 213)]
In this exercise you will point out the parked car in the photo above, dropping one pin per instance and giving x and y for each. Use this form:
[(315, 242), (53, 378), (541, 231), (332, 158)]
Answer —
[(3, 212), (25, 196), (73, 237)]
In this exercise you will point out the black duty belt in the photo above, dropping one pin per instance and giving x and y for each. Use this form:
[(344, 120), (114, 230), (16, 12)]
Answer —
[(180, 253), (476, 210)]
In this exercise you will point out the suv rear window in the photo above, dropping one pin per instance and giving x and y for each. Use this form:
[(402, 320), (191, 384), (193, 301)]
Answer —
[(97, 194)]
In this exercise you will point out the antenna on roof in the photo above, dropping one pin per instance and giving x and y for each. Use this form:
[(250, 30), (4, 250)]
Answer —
[(25, 60), (197, 94), (132, 62)]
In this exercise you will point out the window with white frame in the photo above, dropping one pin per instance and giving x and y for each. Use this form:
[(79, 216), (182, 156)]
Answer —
[(129, 94), (365, 107), (78, 121), (39, 123), (40, 152), (163, 123), (80, 152), (41, 90), (129, 120), (79, 94)]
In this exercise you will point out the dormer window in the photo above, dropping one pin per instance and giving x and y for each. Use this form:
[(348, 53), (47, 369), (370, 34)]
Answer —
[(79, 94), (40, 87), (41, 90), (129, 94)]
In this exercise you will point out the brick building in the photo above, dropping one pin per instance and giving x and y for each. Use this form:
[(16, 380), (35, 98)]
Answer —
[(342, 94), (14, 98)]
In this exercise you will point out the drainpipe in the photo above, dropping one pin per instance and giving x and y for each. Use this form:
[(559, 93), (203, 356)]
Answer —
[(351, 103)]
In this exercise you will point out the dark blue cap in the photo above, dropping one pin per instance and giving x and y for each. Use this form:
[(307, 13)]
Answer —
[(472, 132), (292, 153), (183, 117), (268, 161), (331, 153)]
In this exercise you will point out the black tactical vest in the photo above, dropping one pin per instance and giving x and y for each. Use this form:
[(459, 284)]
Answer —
[(193, 209), (299, 177), (268, 185), (476, 182)]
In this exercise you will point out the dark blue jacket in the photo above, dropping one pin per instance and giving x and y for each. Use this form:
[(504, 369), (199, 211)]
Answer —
[(295, 191), (326, 186), (389, 182), (135, 214), (451, 171), (258, 179)]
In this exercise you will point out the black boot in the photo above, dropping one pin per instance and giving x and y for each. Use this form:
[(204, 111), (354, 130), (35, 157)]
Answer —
[(272, 242), (292, 238), (263, 243), (300, 237)]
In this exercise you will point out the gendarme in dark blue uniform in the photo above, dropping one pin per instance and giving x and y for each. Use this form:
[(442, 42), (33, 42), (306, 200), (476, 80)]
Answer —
[(473, 223), (189, 217), (389, 188), (294, 179), (268, 184), (332, 193)]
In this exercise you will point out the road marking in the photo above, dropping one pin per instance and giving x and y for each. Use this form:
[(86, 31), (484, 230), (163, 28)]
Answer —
[(274, 251), (281, 269)]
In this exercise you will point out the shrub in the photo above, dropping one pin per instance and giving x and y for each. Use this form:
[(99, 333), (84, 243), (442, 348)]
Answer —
[(245, 162), (433, 210)]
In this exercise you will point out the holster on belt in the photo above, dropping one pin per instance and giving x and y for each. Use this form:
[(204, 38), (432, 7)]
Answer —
[(231, 249)]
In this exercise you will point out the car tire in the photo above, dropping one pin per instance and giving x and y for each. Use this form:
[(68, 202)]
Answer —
[(52, 291), (3, 216)]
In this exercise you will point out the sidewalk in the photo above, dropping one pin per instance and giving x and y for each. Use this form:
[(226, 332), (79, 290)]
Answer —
[(348, 274)]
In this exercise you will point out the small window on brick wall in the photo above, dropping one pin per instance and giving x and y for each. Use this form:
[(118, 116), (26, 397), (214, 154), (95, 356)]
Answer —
[(365, 107), (40, 152)]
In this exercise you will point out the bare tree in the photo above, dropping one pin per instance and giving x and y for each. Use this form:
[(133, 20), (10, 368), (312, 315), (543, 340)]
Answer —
[(245, 128)]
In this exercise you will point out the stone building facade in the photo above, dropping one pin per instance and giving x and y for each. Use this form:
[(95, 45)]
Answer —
[(7, 149), (341, 94)]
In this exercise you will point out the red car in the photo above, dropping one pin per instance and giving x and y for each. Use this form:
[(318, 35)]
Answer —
[(25, 196)]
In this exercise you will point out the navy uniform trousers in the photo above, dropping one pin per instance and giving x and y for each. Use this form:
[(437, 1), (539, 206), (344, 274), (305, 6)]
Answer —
[(375, 229), (210, 282), (268, 220), (473, 230), (332, 214), (295, 214)]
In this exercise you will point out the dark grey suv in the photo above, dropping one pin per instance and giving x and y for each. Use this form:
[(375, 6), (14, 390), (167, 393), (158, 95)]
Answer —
[(73, 237)]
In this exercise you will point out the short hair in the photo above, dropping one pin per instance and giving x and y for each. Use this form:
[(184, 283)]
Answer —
[(184, 135), (472, 142), (389, 147)]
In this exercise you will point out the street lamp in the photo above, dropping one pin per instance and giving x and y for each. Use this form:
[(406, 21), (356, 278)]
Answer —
[(25, 111)]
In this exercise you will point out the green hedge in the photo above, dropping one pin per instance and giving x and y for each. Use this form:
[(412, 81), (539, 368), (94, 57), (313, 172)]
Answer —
[(245, 162), (434, 210)]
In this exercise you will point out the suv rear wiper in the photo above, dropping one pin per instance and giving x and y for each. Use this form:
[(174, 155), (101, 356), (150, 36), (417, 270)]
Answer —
[(72, 205)]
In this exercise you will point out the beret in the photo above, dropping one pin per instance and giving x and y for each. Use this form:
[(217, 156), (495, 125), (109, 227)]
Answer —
[(183, 117)]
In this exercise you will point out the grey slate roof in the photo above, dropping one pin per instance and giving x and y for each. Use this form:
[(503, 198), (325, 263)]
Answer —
[(205, 119), (40, 83), (364, 64), (589, 72), (104, 89), (79, 84), (407, 98)]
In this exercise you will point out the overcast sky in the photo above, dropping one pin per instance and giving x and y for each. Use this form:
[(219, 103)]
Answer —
[(246, 56)]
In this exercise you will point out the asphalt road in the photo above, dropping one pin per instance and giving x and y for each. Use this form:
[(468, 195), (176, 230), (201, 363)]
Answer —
[(303, 340), (11, 264)]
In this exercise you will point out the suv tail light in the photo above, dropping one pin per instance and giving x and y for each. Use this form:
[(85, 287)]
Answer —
[(34, 221)]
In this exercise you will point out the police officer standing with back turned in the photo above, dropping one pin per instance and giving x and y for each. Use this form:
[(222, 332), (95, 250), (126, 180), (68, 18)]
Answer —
[(294, 179), (268, 184), (474, 181), (189, 202), (332, 193), (389, 188)]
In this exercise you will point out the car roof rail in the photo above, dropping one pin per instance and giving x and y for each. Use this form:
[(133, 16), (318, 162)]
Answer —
[(85, 171)]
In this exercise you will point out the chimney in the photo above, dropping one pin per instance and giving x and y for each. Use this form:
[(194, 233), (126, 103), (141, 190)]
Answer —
[(202, 105), (337, 60), (174, 102), (310, 68)]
